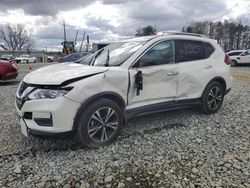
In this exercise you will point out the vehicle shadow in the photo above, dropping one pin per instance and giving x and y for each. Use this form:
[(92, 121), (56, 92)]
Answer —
[(5, 83), (136, 127)]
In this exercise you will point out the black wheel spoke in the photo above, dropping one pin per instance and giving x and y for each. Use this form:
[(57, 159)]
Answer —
[(109, 114), (94, 130), (112, 125), (104, 136), (97, 117)]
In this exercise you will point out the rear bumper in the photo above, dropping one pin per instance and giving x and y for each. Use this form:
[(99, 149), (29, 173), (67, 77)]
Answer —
[(10, 75)]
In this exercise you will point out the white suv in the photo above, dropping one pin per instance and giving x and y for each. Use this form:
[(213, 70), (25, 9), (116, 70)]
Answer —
[(239, 57), (138, 76)]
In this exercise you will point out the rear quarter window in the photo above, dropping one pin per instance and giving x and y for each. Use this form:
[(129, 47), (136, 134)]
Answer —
[(208, 48)]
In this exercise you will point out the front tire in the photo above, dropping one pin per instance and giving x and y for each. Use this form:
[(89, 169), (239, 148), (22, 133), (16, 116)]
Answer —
[(212, 97), (100, 123)]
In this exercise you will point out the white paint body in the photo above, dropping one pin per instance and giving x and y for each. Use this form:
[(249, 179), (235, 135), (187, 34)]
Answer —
[(159, 84), (243, 58)]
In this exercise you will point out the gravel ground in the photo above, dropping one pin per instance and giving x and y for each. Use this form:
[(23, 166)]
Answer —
[(181, 148)]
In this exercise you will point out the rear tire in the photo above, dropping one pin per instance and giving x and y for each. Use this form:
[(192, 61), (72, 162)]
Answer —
[(212, 97), (233, 63), (100, 123)]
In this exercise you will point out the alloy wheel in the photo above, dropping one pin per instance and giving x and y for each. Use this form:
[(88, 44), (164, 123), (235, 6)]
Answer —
[(214, 99), (103, 124)]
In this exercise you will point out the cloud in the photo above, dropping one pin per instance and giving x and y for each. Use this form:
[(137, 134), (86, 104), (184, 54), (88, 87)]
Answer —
[(172, 15), (108, 20), (43, 7), (99, 23)]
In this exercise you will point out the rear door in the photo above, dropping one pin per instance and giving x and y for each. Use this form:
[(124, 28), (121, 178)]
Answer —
[(159, 74), (196, 69)]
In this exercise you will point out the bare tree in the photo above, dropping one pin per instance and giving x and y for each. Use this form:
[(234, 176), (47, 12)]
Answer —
[(15, 37), (230, 34), (145, 31)]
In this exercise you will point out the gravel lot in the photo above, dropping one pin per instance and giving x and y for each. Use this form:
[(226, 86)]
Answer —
[(181, 148)]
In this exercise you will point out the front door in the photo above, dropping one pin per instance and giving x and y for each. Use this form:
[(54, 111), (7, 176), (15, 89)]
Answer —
[(245, 57), (159, 74)]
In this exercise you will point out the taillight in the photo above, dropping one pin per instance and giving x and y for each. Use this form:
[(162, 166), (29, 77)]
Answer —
[(227, 59), (14, 65)]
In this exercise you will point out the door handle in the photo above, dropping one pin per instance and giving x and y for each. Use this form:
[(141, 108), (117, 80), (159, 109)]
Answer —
[(208, 66), (172, 73)]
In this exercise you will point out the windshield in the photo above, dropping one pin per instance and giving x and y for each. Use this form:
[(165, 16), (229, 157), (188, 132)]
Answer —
[(116, 53), (82, 60)]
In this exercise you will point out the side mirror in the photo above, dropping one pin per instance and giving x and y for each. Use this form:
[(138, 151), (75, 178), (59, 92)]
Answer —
[(138, 64)]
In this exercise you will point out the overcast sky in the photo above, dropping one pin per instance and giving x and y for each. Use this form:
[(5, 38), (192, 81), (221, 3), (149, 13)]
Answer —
[(110, 20)]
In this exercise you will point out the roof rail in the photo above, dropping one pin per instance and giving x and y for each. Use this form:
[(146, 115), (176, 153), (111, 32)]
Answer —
[(180, 33)]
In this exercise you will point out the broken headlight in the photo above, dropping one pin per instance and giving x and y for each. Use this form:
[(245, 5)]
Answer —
[(48, 93)]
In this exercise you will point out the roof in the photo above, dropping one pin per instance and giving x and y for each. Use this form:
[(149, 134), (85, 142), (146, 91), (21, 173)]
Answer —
[(140, 39), (180, 33)]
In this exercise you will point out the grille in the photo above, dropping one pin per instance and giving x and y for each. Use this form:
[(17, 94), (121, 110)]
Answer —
[(22, 88), (19, 103)]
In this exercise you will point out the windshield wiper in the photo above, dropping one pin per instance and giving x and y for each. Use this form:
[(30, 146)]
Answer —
[(94, 58), (107, 60)]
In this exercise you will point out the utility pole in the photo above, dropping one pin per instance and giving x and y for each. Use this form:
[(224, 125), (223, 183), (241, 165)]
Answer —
[(76, 36), (82, 41), (87, 43)]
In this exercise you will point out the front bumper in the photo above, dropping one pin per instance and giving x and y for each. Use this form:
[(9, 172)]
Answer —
[(48, 116)]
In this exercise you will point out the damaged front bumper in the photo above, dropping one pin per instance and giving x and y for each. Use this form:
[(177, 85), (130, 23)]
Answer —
[(47, 116)]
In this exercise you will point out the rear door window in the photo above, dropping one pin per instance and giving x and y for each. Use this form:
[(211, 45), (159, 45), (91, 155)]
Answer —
[(189, 50)]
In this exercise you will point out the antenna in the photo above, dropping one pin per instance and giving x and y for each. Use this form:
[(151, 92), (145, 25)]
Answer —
[(82, 41)]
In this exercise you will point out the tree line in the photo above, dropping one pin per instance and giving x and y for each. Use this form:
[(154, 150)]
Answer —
[(231, 35)]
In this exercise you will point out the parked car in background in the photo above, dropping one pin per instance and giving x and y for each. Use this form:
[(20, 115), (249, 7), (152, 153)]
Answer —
[(72, 57), (7, 57), (124, 79), (239, 57), (25, 58), (50, 58), (8, 70)]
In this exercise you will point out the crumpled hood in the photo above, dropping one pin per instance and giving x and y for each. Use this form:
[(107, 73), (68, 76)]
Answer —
[(59, 73)]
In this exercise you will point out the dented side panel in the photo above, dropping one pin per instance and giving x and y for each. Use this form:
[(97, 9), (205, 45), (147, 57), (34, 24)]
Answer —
[(158, 85), (194, 77), (115, 80)]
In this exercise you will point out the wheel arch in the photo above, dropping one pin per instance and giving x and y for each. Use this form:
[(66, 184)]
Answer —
[(234, 59), (117, 98), (217, 79)]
